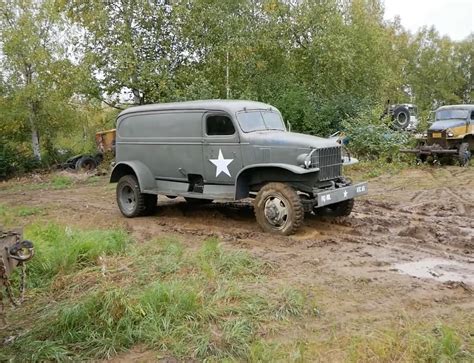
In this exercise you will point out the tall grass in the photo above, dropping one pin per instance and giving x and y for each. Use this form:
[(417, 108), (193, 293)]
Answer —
[(411, 343), (62, 250), (186, 304)]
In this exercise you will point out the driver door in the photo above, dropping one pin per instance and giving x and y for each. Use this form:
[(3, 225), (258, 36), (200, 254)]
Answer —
[(221, 149)]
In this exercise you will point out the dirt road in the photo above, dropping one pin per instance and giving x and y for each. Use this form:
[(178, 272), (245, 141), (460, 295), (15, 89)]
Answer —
[(408, 247)]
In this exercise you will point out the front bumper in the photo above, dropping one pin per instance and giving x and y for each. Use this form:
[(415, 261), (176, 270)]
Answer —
[(430, 150), (340, 194)]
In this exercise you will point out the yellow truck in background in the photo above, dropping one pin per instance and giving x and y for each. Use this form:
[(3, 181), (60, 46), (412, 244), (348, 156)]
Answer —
[(450, 134)]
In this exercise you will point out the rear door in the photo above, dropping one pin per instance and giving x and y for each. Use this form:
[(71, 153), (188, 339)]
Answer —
[(221, 149)]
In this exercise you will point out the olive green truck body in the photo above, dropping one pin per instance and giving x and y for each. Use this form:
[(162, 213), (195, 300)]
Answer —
[(227, 150)]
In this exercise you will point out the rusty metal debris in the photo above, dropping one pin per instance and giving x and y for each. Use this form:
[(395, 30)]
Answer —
[(14, 253)]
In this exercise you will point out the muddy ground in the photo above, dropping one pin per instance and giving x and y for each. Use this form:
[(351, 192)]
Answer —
[(408, 247)]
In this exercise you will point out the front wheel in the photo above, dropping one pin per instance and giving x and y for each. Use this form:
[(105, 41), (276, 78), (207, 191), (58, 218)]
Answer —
[(464, 154), (131, 202), (278, 209)]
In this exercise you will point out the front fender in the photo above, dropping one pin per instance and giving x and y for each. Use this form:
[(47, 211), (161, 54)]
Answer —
[(293, 168), (145, 177), (269, 172)]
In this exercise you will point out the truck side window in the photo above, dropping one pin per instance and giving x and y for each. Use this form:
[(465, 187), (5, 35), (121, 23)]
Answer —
[(219, 125), (472, 115)]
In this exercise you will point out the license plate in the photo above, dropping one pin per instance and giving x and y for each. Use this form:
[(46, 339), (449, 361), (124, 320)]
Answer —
[(436, 135), (338, 195)]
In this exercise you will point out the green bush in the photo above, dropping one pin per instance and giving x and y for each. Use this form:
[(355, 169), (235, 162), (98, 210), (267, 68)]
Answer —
[(372, 139), (16, 160)]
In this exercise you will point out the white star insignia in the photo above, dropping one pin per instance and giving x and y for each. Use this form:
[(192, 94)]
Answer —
[(221, 164), (345, 193)]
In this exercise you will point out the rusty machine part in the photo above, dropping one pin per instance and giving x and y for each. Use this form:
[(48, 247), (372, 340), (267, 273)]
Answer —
[(14, 253)]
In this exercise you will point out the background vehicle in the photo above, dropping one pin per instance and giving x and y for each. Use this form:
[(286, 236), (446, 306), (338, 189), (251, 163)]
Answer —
[(228, 150), (451, 133), (403, 116), (105, 142)]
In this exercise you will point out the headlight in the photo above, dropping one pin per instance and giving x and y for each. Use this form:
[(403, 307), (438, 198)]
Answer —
[(306, 160), (425, 134), (302, 160), (450, 133)]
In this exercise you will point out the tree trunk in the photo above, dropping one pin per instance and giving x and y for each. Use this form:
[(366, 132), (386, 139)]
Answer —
[(32, 116), (35, 139)]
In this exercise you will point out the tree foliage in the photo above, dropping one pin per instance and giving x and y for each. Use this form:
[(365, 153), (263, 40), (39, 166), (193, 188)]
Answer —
[(322, 63), (39, 78)]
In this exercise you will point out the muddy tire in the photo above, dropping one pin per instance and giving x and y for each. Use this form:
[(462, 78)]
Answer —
[(278, 209), (86, 163), (464, 154), (342, 209), (131, 202)]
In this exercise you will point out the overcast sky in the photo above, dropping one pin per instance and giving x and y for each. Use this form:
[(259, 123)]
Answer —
[(454, 18)]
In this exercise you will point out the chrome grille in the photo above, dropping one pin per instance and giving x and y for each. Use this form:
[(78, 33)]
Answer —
[(329, 162)]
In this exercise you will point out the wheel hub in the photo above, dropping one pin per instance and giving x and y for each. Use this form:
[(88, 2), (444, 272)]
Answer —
[(128, 198), (276, 211)]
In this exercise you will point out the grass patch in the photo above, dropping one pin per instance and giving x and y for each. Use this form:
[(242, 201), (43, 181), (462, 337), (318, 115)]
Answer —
[(61, 182), (412, 344), (62, 250), (28, 211), (365, 170), (6, 216), (51, 181), (204, 304), (9, 216)]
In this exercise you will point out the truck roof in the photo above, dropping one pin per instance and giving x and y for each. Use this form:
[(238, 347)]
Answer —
[(229, 106), (456, 107)]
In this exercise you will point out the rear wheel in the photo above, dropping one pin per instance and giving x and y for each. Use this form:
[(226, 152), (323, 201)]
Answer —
[(278, 209), (131, 201)]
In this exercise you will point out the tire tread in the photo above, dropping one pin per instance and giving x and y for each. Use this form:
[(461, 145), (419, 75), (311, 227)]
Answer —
[(294, 199), (146, 203)]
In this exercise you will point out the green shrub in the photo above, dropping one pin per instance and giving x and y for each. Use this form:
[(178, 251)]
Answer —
[(16, 160), (372, 139)]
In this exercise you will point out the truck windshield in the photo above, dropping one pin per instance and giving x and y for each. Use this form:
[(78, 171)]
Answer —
[(451, 114), (260, 120)]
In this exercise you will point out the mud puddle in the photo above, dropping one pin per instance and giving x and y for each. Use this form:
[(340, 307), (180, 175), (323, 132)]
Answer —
[(438, 269)]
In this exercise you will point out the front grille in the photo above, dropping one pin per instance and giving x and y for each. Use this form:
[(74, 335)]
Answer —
[(437, 140), (329, 162)]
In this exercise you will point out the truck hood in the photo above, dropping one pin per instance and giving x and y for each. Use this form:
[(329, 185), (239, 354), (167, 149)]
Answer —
[(442, 125), (289, 139)]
